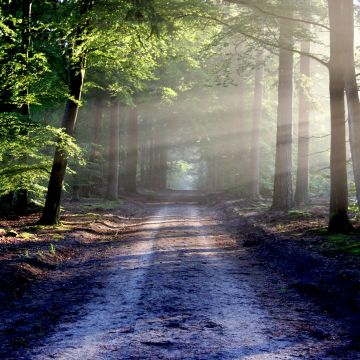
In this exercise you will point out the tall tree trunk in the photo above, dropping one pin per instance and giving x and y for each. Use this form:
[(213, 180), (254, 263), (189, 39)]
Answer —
[(26, 39), (339, 221), (282, 198), (240, 149), (95, 177), (114, 152), (152, 161), (132, 158), (96, 131), (51, 212), (76, 73), (20, 198), (254, 185), (352, 93), (162, 168), (302, 175)]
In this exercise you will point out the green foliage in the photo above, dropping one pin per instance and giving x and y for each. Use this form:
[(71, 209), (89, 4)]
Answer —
[(26, 150)]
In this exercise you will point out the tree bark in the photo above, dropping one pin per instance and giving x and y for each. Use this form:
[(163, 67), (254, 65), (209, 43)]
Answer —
[(26, 39), (20, 198), (51, 212), (302, 175), (254, 185), (162, 168), (152, 161), (97, 127), (132, 158), (352, 93), (76, 74), (282, 198), (114, 152), (339, 221)]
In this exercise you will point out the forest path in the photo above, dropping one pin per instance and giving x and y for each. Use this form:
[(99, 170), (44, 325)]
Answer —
[(183, 288)]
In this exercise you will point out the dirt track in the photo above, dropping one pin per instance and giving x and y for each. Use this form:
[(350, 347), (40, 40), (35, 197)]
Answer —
[(182, 288)]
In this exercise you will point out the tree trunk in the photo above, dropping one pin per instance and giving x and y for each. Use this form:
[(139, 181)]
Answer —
[(76, 73), (302, 175), (339, 221), (132, 158), (114, 152), (352, 94), (282, 198), (254, 185), (51, 212), (20, 198), (152, 161), (162, 169), (26, 39), (235, 145), (96, 131)]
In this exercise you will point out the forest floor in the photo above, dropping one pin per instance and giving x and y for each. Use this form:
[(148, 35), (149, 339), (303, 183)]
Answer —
[(163, 277)]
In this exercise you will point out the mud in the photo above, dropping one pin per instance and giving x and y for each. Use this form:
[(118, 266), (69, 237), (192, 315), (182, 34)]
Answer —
[(178, 287)]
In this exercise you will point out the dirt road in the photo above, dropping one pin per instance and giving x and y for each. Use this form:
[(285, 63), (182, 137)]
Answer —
[(183, 288)]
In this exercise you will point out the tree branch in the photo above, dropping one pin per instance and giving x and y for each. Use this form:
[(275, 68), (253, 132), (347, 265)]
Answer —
[(264, 42), (265, 12)]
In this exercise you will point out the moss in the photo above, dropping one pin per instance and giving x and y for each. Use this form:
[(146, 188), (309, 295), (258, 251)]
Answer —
[(84, 215), (299, 214), (104, 205), (345, 243), (57, 237), (26, 236)]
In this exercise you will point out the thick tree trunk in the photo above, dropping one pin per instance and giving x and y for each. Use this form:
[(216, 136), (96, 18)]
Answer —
[(132, 158), (352, 93), (339, 221), (51, 212), (114, 152), (254, 185), (302, 175), (76, 74), (282, 198)]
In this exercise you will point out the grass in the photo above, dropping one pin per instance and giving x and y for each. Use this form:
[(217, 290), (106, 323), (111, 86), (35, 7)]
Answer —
[(104, 205), (58, 237), (35, 228), (87, 215), (52, 249), (27, 236), (348, 244), (299, 214)]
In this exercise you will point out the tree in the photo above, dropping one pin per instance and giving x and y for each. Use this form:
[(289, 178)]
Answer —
[(339, 221), (256, 129), (86, 22), (352, 93), (282, 197), (113, 157), (302, 174), (132, 152), (75, 56)]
